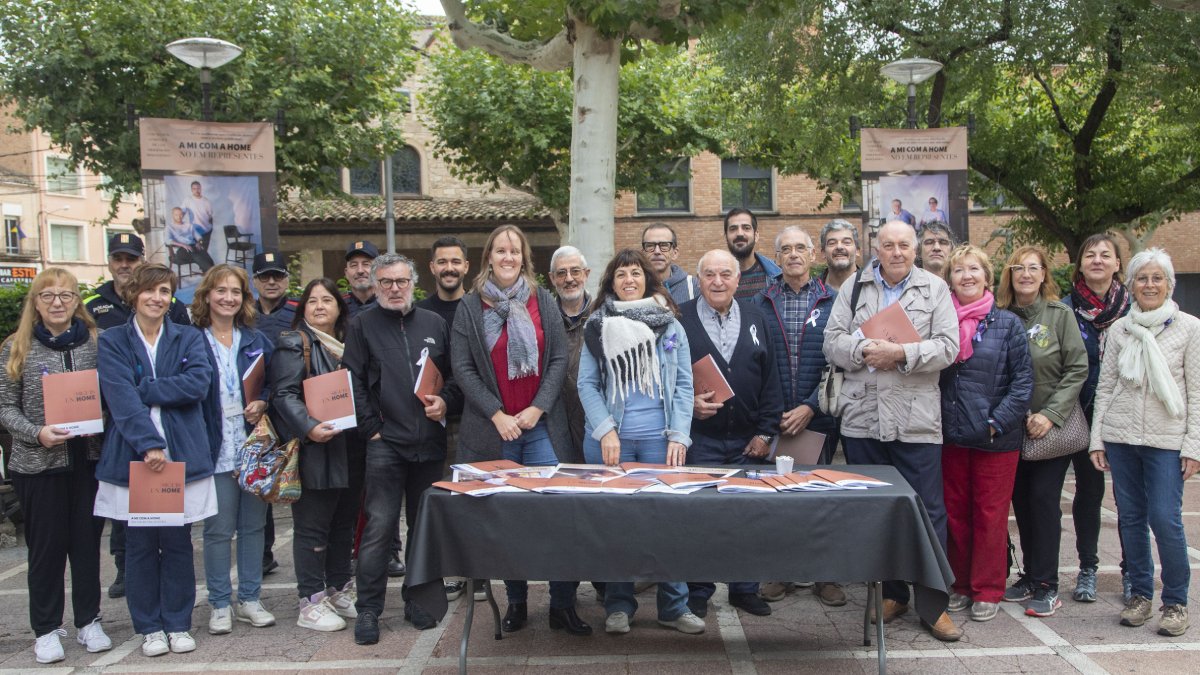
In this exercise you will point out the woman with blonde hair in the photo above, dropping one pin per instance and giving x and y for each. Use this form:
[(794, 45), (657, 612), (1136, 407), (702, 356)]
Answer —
[(1060, 368), (509, 351), (54, 473), (985, 397), (224, 312)]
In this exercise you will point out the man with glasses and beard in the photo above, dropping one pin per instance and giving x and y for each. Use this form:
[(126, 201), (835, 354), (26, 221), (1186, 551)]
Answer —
[(662, 248), (757, 270), (448, 264), (839, 246), (569, 274)]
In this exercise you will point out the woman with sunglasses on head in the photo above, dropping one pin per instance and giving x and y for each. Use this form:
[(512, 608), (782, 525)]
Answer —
[(1060, 368), (54, 474)]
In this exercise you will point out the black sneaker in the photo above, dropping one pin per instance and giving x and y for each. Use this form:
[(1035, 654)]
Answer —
[(419, 618), (366, 629), (270, 566), (698, 606), (455, 589), (117, 589), (1020, 591), (750, 602)]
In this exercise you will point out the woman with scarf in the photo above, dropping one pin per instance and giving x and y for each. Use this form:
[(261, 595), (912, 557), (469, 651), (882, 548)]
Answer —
[(985, 397), (224, 312), (1099, 299), (509, 352), (332, 481), (1146, 431), (635, 384), (54, 473), (1059, 359)]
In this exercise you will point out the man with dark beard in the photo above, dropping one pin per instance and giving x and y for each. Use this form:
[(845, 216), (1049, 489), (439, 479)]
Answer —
[(448, 264), (839, 246), (741, 234)]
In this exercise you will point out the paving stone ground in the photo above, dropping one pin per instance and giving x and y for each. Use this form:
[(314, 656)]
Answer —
[(801, 636)]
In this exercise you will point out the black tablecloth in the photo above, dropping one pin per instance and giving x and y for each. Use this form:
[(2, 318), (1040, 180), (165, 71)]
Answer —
[(843, 536)]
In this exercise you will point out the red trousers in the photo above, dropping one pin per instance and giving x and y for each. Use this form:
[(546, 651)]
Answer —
[(978, 487)]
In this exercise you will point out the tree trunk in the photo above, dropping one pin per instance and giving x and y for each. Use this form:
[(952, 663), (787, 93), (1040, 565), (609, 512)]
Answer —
[(594, 146)]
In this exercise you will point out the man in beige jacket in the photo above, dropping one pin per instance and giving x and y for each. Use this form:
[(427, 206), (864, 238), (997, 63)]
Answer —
[(891, 403)]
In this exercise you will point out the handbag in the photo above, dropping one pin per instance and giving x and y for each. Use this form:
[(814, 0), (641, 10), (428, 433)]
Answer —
[(829, 390), (267, 468), (1068, 439)]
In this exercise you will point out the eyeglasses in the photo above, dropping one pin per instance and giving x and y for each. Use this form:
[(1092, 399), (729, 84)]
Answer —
[(664, 246), (387, 284), (65, 297), (1021, 269), (798, 248), (574, 273)]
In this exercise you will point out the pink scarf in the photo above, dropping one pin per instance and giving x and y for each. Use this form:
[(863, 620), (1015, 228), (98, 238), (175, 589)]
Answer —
[(969, 317)]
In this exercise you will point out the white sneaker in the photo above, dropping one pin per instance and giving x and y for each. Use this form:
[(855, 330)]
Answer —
[(617, 622), (48, 648), (92, 636), (254, 613), (685, 623), (155, 644), (220, 621), (182, 643), (343, 600), (319, 615)]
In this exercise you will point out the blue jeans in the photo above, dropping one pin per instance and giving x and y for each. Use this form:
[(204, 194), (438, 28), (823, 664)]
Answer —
[(1148, 485), (533, 448), (241, 512), (160, 578), (618, 595)]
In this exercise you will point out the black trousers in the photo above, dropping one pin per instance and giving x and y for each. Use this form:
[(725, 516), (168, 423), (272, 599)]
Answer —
[(1085, 509), (323, 541), (391, 482), (1036, 496), (59, 526)]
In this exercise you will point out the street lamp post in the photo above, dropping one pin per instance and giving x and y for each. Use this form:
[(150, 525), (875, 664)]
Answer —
[(205, 54), (911, 72)]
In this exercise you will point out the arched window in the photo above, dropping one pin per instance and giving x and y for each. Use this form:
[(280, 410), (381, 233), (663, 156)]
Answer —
[(366, 178), (406, 171)]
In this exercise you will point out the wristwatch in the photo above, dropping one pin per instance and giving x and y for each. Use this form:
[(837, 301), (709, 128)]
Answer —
[(766, 438)]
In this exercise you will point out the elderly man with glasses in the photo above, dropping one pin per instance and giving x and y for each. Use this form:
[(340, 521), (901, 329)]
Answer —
[(406, 444), (569, 274), (662, 248)]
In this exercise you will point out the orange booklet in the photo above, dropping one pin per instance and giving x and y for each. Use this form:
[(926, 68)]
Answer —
[(156, 498), (487, 467), (892, 325), (475, 488), (707, 376), (71, 402), (687, 480), (330, 398), (254, 379), (805, 447), (429, 380), (735, 484), (571, 485)]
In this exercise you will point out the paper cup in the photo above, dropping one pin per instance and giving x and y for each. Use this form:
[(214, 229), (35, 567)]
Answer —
[(783, 464)]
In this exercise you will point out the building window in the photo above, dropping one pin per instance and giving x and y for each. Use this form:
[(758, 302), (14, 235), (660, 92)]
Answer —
[(62, 177), (406, 171), (66, 242), (744, 186), (366, 179), (673, 196), (12, 235)]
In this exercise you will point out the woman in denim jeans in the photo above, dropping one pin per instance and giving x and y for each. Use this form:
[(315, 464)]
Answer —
[(635, 384), (225, 314), (1146, 431), (510, 356)]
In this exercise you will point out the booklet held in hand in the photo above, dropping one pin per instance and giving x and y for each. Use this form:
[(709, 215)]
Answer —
[(707, 376), (156, 497), (71, 402), (330, 398)]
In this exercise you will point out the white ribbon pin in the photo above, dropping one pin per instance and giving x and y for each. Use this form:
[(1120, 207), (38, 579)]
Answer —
[(813, 316), (754, 335)]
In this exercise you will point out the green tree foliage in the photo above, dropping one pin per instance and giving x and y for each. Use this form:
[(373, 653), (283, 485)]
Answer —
[(1085, 109), (333, 67), (497, 124)]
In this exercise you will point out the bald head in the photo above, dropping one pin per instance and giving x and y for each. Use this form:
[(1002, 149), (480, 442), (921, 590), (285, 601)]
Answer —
[(718, 272)]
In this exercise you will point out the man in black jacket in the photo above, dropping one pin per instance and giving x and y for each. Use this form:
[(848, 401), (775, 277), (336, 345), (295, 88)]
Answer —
[(406, 440), (740, 430)]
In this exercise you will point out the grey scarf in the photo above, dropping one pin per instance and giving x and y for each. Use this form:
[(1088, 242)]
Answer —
[(508, 309)]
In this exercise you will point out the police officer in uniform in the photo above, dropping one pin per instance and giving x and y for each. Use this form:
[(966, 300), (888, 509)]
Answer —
[(126, 253)]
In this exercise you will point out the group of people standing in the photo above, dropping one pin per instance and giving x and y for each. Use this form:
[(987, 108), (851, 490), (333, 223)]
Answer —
[(543, 378)]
